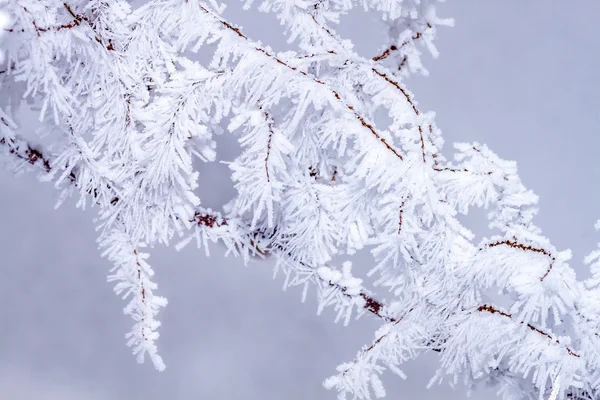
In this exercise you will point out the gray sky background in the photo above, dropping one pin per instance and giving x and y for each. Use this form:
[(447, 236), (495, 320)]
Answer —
[(518, 75)]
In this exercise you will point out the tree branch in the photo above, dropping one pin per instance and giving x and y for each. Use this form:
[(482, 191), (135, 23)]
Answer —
[(516, 245), (492, 310), (386, 53), (320, 82), (22, 150), (213, 220)]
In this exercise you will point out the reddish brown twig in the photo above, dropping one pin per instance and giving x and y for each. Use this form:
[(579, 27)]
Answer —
[(374, 306), (22, 150), (379, 339), (422, 143), (516, 245), (271, 133), (387, 52), (492, 310), (400, 217), (78, 19), (143, 291), (393, 47), (400, 88), (209, 220)]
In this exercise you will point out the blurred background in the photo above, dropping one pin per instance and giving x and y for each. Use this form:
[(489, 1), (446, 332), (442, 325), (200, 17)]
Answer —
[(519, 75)]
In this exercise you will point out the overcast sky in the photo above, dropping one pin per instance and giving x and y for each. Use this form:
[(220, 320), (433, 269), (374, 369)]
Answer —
[(519, 75)]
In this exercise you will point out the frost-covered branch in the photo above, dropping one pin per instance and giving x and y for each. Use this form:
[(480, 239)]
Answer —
[(133, 110), (22, 150), (337, 288), (132, 274)]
